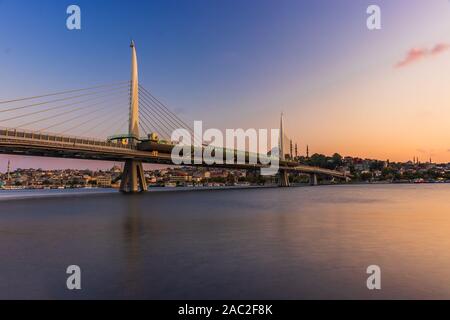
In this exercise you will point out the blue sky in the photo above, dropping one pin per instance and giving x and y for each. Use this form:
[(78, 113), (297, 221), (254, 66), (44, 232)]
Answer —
[(195, 54), (230, 63)]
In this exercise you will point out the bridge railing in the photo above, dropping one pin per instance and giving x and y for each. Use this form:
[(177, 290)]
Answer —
[(239, 154), (52, 138)]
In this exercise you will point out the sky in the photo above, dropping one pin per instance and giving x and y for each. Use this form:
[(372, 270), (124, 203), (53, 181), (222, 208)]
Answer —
[(379, 94)]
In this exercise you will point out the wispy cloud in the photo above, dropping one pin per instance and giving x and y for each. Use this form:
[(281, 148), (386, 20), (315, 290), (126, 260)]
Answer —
[(440, 47), (416, 54)]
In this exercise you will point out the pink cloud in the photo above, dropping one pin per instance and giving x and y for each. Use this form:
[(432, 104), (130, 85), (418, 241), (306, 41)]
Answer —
[(412, 56), (440, 47), (416, 54)]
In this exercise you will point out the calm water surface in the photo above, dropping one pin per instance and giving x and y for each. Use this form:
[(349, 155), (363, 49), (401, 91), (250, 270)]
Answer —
[(294, 243)]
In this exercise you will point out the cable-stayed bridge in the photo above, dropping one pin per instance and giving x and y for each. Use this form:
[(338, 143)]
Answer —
[(89, 123)]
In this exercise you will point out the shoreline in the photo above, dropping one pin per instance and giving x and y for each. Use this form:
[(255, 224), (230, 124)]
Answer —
[(161, 188), (24, 194)]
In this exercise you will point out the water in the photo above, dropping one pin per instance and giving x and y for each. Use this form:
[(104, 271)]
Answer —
[(295, 243), (24, 194)]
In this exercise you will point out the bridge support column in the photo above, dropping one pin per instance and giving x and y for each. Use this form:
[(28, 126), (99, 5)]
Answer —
[(283, 178), (313, 179), (133, 179)]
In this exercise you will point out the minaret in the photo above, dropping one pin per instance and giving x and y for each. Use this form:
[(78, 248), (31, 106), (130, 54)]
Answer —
[(281, 138), (291, 148), (134, 95), (283, 174), (8, 172), (307, 151), (296, 150)]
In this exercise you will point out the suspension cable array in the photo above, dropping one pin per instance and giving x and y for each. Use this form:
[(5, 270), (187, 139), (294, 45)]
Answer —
[(156, 116), (67, 112), (98, 111)]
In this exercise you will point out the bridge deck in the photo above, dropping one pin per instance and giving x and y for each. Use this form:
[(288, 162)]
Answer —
[(27, 143)]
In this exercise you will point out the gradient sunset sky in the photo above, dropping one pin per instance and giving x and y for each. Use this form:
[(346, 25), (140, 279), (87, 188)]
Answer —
[(381, 94)]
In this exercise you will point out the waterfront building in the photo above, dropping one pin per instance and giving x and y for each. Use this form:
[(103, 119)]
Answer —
[(104, 181)]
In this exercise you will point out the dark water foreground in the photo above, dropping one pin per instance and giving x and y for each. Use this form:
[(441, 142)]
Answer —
[(296, 243)]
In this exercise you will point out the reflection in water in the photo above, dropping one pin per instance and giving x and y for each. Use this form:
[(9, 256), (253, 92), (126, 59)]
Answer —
[(290, 243), (132, 234)]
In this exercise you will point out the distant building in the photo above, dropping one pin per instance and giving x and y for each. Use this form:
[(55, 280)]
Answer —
[(181, 179), (116, 169), (104, 181), (219, 174), (152, 180)]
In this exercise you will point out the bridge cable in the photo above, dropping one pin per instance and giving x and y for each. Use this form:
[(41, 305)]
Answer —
[(149, 127), (57, 115), (162, 115), (63, 92), (164, 107), (155, 125), (103, 120), (168, 117), (174, 126), (59, 100), (147, 109), (159, 123), (74, 118), (116, 118), (57, 107), (169, 114), (120, 120), (143, 129)]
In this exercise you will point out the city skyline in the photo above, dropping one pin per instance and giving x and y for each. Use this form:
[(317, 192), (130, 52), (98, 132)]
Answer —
[(372, 94), (361, 170)]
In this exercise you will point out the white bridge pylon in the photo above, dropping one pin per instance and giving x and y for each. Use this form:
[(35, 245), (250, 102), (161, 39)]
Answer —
[(133, 178), (134, 94)]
